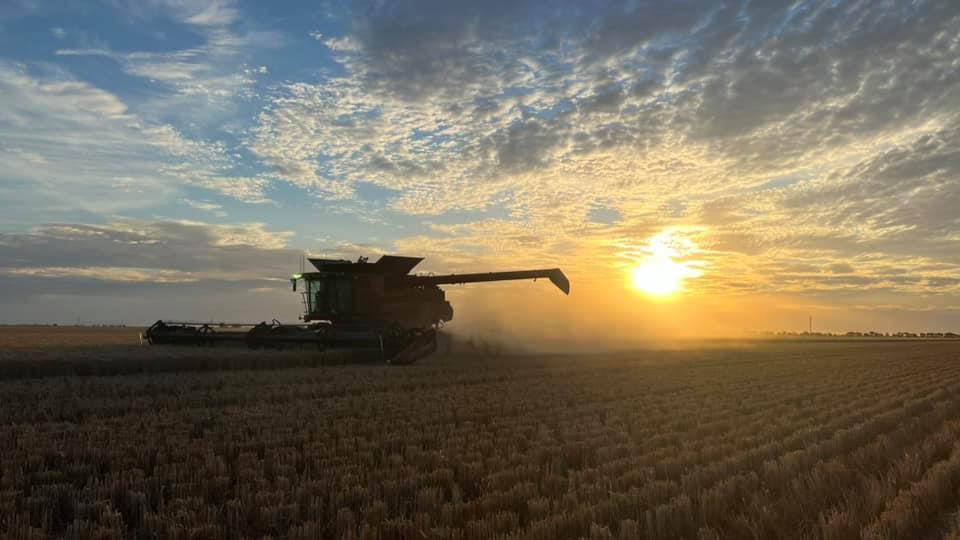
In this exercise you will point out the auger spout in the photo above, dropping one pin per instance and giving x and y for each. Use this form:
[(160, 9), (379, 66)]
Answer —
[(555, 275)]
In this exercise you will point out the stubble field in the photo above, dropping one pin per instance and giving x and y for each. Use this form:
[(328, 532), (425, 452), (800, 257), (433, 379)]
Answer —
[(738, 440)]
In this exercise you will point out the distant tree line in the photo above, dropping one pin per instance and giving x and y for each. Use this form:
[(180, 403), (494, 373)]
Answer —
[(862, 334)]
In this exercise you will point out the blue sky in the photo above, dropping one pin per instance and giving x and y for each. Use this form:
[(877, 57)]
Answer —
[(201, 70), (803, 149)]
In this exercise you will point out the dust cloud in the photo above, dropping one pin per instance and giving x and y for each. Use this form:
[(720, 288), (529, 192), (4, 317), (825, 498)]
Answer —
[(535, 318)]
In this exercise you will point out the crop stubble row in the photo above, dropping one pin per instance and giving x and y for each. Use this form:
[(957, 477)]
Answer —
[(820, 440)]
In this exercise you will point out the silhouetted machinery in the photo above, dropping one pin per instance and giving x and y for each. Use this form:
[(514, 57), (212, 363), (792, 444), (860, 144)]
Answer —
[(354, 305)]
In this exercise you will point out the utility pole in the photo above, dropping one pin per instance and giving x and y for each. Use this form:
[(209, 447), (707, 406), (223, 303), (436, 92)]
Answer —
[(811, 324)]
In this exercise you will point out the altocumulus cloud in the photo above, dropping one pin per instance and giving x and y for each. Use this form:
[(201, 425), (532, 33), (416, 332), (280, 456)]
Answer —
[(826, 129), (78, 146)]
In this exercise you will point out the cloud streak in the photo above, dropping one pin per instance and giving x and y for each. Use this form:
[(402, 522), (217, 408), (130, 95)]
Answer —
[(80, 147), (152, 267)]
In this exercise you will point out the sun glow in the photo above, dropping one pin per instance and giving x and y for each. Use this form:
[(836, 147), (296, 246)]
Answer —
[(658, 278), (660, 274)]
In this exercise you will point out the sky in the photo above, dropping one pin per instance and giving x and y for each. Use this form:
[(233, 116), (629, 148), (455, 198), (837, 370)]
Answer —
[(173, 158)]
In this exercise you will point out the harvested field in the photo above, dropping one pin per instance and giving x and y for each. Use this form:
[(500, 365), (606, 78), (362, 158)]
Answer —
[(40, 351), (771, 440), (45, 338)]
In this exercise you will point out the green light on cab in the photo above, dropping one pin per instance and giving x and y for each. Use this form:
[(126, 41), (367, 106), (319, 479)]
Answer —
[(297, 276)]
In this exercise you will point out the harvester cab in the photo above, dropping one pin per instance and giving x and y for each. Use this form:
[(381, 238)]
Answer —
[(359, 305)]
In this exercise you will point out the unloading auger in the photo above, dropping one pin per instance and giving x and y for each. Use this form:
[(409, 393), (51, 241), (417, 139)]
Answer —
[(353, 305)]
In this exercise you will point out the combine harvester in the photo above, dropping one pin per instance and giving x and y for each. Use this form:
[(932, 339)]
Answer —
[(357, 306)]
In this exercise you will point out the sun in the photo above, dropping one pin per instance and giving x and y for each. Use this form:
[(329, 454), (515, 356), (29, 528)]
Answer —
[(660, 274), (658, 277)]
